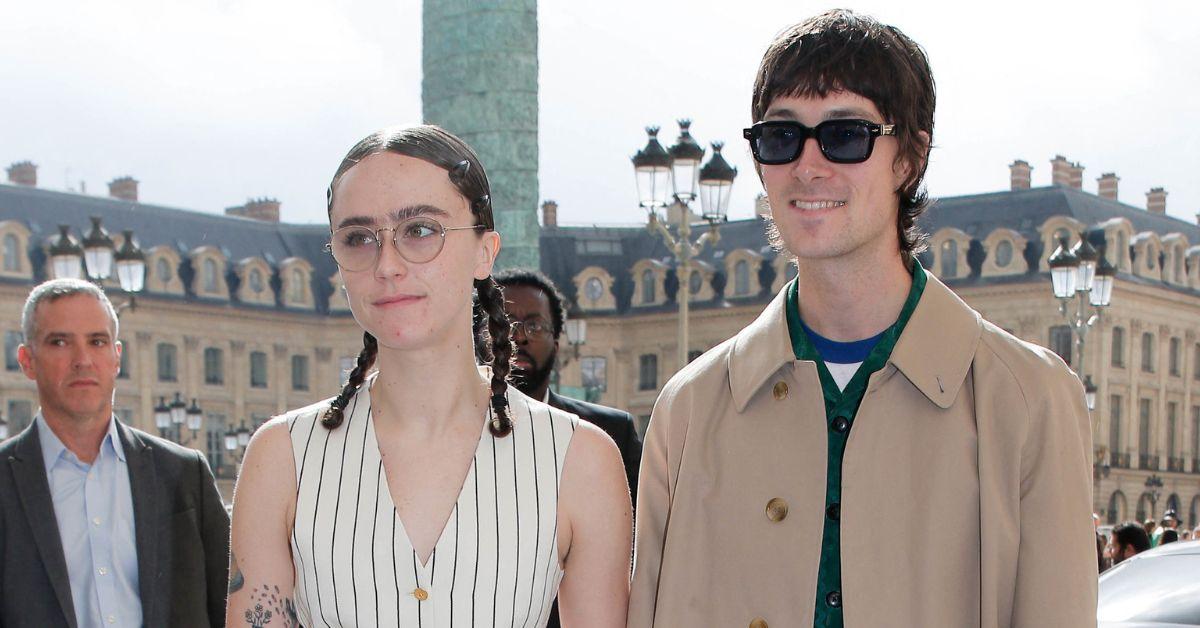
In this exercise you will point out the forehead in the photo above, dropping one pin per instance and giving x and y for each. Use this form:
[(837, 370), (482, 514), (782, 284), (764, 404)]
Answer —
[(72, 314), (385, 182), (525, 301), (812, 110)]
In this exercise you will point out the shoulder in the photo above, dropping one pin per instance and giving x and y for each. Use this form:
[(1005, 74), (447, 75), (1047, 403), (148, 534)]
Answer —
[(162, 447), (705, 377), (304, 417), (1028, 365), (589, 410), (527, 409)]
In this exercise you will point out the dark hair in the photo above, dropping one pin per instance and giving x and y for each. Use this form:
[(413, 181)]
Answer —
[(1131, 534), (841, 50), (1169, 535), (536, 279), (441, 148)]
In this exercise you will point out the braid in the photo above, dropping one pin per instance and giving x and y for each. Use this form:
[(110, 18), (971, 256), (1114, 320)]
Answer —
[(489, 307), (366, 358)]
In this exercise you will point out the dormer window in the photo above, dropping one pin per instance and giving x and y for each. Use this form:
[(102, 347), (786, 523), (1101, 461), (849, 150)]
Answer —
[(210, 276), (12, 253), (648, 290), (1004, 253), (741, 278), (162, 270), (593, 288), (256, 281)]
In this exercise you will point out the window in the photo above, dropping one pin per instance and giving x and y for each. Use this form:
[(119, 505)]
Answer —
[(256, 281), (258, 369), (950, 259), (12, 253), (1004, 253), (299, 372), (593, 288), (210, 276), (594, 372), (648, 371), (20, 415), (1172, 407), (214, 366), (167, 364), (1114, 423), (695, 282), (126, 351), (1061, 340), (162, 268), (1196, 435), (1151, 257), (297, 285), (214, 427), (1122, 248), (12, 340), (1144, 427), (1173, 358), (1196, 362), (648, 282), (1148, 352), (1118, 347), (741, 278), (1062, 234)]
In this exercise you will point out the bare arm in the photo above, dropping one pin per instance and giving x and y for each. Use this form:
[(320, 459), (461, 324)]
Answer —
[(261, 574), (595, 502)]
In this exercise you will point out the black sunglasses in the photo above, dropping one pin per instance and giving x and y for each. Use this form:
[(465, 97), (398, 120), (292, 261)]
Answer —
[(776, 142)]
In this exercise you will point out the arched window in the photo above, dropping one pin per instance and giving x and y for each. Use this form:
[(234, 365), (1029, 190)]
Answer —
[(1151, 257), (162, 269), (1004, 253), (695, 282), (256, 281), (12, 253), (648, 295), (950, 259), (297, 285), (210, 276), (1117, 508), (741, 278), (1122, 247), (1145, 507)]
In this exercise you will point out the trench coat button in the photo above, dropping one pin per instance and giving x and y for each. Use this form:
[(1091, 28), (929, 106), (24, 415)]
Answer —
[(420, 594), (834, 511), (841, 425), (758, 622), (834, 599), (780, 391), (777, 509)]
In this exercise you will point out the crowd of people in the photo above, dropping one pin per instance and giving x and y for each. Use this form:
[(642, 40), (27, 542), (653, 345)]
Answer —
[(1130, 538), (790, 475)]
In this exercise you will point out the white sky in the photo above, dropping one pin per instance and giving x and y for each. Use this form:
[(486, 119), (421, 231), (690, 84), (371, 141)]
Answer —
[(210, 102)]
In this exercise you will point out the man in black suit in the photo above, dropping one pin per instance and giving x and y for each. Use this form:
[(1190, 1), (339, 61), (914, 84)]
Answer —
[(100, 524)]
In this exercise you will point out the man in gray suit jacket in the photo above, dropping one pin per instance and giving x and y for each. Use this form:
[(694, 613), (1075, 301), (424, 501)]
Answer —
[(100, 524)]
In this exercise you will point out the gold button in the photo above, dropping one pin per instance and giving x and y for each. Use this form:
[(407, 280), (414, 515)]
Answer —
[(780, 391), (758, 623), (420, 594), (777, 510)]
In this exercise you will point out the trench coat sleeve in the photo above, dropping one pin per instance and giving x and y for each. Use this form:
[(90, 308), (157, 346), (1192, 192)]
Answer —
[(657, 477), (1056, 577)]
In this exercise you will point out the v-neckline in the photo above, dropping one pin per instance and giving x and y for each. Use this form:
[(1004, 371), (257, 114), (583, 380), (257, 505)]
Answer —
[(483, 434)]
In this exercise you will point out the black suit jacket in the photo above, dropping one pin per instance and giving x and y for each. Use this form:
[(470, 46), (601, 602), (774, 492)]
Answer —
[(620, 427), (180, 527)]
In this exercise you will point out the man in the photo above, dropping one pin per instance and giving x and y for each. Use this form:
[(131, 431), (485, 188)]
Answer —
[(1128, 540), (1170, 521), (535, 307), (100, 524), (792, 475)]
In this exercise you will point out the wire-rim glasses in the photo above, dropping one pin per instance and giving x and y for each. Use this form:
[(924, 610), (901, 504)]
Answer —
[(418, 240)]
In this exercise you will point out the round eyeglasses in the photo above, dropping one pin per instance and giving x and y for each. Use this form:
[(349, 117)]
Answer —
[(418, 240)]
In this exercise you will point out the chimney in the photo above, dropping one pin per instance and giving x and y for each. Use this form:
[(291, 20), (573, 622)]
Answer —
[(1107, 185), (124, 188), (1065, 173), (1075, 173), (1020, 174), (23, 173), (549, 214), (264, 209), (1156, 201)]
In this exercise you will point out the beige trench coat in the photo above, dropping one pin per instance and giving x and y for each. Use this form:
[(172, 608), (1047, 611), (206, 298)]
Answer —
[(966, 485)]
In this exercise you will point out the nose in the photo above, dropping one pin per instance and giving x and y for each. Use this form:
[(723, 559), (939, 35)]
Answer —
[(81, 358), (390, 262), (518, 334), (811, 164)]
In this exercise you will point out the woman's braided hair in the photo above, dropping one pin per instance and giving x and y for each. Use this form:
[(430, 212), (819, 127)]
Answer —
[(441, 148)]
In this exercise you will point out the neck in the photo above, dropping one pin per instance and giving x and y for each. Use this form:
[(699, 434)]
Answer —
[(852, 298), (423, 389), (537, 392), (81, 435)]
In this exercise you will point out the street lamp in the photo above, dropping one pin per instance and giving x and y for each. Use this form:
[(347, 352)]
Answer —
[(68, 257), (98, 250), (162, 417), (64, 255), (1154, 486), (657, 168), (576, 330)]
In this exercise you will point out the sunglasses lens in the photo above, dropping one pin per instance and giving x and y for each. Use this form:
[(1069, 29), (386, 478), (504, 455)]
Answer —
[(354, 248), (778, 143), (845, 141)]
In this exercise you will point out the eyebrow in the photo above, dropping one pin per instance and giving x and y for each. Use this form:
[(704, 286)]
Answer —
[(56, 335), (397, 215)]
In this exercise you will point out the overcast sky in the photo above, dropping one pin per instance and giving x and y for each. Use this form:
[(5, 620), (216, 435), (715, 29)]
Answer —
[(210, 102)]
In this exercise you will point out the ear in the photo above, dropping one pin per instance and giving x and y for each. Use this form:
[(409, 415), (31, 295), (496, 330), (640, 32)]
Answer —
[(25, 359), (489, 248), (120, 348), (903, 169)]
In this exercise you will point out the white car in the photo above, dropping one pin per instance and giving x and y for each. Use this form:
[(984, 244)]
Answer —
[(1159, 588)]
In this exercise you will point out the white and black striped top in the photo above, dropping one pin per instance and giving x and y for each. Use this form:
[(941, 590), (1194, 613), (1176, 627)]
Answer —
[(496, 562)]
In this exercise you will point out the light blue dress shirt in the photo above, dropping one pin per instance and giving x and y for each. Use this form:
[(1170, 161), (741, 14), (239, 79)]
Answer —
[(94, 508)]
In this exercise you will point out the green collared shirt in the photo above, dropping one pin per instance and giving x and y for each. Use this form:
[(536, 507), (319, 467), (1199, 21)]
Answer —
[(840, 408)]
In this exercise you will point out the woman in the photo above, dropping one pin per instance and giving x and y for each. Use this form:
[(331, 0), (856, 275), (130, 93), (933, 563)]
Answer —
[(428, 492)]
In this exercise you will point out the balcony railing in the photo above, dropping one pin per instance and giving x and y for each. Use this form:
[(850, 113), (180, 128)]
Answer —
[(1176, 464), (1119, 460), (1146, 461)]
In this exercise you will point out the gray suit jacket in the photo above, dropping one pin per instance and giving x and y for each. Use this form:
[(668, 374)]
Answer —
[(181, 529)]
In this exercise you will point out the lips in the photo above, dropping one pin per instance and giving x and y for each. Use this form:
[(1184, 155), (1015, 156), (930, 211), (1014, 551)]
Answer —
[(82, 383), (399, 299), (522, 360), (816, 205)]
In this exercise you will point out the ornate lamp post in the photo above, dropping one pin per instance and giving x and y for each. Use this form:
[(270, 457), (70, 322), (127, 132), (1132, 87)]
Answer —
[(666, 177), (1153, 486), (171, 417), (94, 260), (576, 330)]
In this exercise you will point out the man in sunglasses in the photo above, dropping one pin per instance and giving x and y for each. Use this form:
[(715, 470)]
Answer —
[(793, 474)]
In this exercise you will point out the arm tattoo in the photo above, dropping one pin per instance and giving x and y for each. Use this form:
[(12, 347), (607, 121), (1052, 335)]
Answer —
[(236, 579), (270, 604)]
